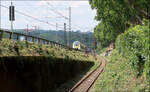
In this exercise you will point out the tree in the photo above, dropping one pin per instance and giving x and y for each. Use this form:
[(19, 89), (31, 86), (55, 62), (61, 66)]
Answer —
[(116, 16)]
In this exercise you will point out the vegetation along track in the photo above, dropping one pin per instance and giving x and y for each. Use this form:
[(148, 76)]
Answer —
[(86, 83)]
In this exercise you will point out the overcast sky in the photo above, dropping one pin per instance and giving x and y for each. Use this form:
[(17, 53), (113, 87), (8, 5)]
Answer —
[(47, 11)]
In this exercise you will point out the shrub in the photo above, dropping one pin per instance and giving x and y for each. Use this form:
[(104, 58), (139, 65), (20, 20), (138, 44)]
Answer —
[(18, 48), (134, 44)]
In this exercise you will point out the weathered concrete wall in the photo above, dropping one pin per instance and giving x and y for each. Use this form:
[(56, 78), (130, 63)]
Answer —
[(37, 74)]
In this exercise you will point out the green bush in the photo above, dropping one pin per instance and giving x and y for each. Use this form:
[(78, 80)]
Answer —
[(134, 44), (19, 48)]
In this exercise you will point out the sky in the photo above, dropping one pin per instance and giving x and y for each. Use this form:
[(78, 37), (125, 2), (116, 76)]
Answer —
[(51, 12)]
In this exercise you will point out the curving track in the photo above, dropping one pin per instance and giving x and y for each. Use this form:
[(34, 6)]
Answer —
[(86, 83)]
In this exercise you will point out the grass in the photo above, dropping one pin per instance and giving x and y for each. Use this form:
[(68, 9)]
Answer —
[(8, 48), (118, 76), (20, 48)]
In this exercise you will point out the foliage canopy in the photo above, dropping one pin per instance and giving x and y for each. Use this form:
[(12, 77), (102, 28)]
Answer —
[(116, 16)]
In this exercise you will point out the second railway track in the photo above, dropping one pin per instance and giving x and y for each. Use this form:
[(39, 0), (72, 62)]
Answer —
[(86, 83)]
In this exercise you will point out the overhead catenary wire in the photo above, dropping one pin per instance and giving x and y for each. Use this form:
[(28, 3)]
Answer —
[(46, 22), (54, 10), (29, 16)]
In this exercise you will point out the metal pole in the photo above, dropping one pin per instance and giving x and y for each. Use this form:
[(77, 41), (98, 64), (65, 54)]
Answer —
[(38, 29), (27, 36), (65, 40), (27, 33), (69, 25), (12, 29), (27, 30), (1, 35), (11, 23), (56, 26), (56, 29), (0, 14)]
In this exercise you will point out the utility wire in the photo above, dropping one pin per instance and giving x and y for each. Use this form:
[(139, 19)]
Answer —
[(24, 14), (31, 17), (53, 9)]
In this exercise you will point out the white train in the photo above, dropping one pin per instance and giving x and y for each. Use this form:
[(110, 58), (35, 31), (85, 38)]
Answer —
[(76, 45), (79, 46)]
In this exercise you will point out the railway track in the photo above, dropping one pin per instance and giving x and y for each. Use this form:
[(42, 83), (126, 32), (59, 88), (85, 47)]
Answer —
[(86, 83)]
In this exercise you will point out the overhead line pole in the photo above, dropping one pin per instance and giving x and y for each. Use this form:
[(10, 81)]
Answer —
[(38, 29), (56, 26), (11, 23), (0, 23), (65, 40), (27, 30), (69, 26), (0, 14), (56, 30)]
